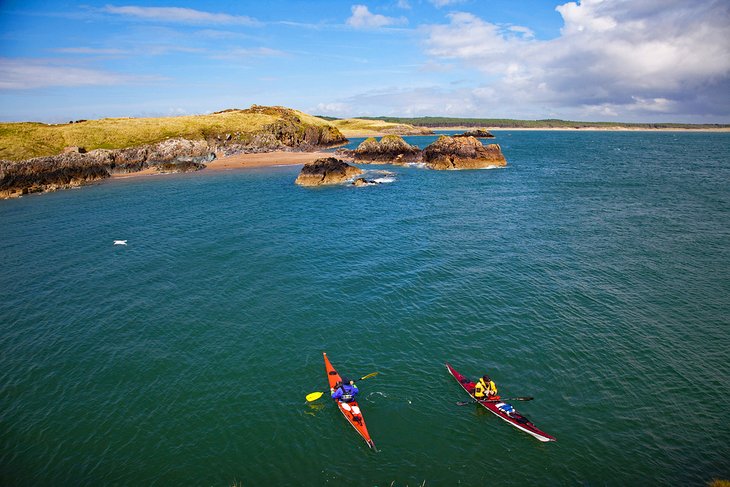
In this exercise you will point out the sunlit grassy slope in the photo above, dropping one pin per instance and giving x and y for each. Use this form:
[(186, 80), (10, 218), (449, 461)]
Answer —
[(25, 140), (358, 127)]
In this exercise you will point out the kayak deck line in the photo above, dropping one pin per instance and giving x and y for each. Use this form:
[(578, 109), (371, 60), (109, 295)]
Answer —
[(501, 409), (350, 410)]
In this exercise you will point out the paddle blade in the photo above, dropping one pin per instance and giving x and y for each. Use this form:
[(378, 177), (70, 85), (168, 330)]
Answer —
[(369, 375), (313, 396)]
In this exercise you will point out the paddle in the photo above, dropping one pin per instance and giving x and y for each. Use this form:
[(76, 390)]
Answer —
[(316, 395), (503, 399)]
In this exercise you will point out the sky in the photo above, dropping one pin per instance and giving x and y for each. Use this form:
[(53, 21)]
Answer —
[(589, 60)]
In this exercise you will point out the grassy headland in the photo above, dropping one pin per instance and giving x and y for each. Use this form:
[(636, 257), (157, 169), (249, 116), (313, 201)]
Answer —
[(359, 127), (446, 122), (25, 140)]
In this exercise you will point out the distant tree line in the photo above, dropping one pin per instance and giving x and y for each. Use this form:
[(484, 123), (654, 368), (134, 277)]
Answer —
[(547, 123)]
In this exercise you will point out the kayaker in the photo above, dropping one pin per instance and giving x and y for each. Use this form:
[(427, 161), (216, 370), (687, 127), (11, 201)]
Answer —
[(345, 390), (485, 388)]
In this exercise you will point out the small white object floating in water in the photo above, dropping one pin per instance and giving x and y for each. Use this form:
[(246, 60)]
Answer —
[(120, 242)]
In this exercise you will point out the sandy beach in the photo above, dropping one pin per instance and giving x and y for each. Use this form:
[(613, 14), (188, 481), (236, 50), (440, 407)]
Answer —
[(264, 159), (245, 161)]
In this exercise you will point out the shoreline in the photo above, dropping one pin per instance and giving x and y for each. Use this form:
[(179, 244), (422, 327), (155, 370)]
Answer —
[(286, 158), (588, 129), (242, 161)]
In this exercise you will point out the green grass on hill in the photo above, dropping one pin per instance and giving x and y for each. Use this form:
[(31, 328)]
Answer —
[(353, 127), (25, 140)]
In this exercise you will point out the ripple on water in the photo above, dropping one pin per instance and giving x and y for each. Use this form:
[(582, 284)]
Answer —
[(590, 278)]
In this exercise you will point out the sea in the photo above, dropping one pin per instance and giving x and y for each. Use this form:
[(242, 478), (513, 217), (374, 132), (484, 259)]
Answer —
[(591, 273)]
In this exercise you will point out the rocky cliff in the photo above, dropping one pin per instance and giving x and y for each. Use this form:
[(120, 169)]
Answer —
[(75, 167), (289, 129), (462, 153), (326, 171), (73, 154)]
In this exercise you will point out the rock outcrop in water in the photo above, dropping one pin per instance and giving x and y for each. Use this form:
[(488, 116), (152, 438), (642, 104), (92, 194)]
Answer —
[(326, 171), (462, 153), (391, 149), (75, 167), (478, 133)]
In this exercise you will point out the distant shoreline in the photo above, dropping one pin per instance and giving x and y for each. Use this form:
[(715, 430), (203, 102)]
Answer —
[(284, 158), (591, 129)]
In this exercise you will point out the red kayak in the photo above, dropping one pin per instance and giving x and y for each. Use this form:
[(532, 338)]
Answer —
[(350, 410), (501, 409)]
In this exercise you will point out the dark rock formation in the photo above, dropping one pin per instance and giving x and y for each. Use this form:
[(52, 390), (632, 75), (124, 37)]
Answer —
[(391, 149), (75, 168), (462, 153), (49, 174), (326, 171), (478, 133)]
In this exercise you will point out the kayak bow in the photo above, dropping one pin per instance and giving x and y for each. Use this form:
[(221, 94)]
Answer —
[(350, 410), (501, 409)]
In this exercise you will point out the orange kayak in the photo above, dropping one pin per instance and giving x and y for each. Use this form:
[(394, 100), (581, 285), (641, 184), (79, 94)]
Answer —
[(350, 410)]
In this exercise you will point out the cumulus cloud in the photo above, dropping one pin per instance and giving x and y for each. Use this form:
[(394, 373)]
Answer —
[(362, 18), (638, 57), (21, 74), (179, 15)]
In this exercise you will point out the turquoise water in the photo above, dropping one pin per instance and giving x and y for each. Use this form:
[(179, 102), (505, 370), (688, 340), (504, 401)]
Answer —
[(591, 273)]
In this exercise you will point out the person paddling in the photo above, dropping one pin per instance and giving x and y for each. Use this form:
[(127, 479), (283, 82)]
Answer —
[(485, 388), (345, 390)]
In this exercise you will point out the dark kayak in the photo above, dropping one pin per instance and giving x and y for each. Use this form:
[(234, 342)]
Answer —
[(503, 410)]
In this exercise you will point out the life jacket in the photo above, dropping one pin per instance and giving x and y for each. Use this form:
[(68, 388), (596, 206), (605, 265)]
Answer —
[(347, 393), (481, 388)]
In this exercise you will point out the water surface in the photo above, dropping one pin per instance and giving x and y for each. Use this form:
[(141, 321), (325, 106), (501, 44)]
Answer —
[(591, 273)]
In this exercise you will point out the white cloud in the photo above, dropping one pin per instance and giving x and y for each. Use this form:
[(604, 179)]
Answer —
[(444, 3), (404, 4), (585, 17), (362, 18), (333, 109), (179, 15), (413, 102), (637, 57), (21, 74), (524, 31)]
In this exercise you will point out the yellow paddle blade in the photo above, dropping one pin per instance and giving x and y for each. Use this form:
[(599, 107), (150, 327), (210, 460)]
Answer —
[(313, 396), (369, 376)]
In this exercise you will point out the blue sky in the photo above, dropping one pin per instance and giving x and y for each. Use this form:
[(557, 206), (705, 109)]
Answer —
[(612, 60)]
